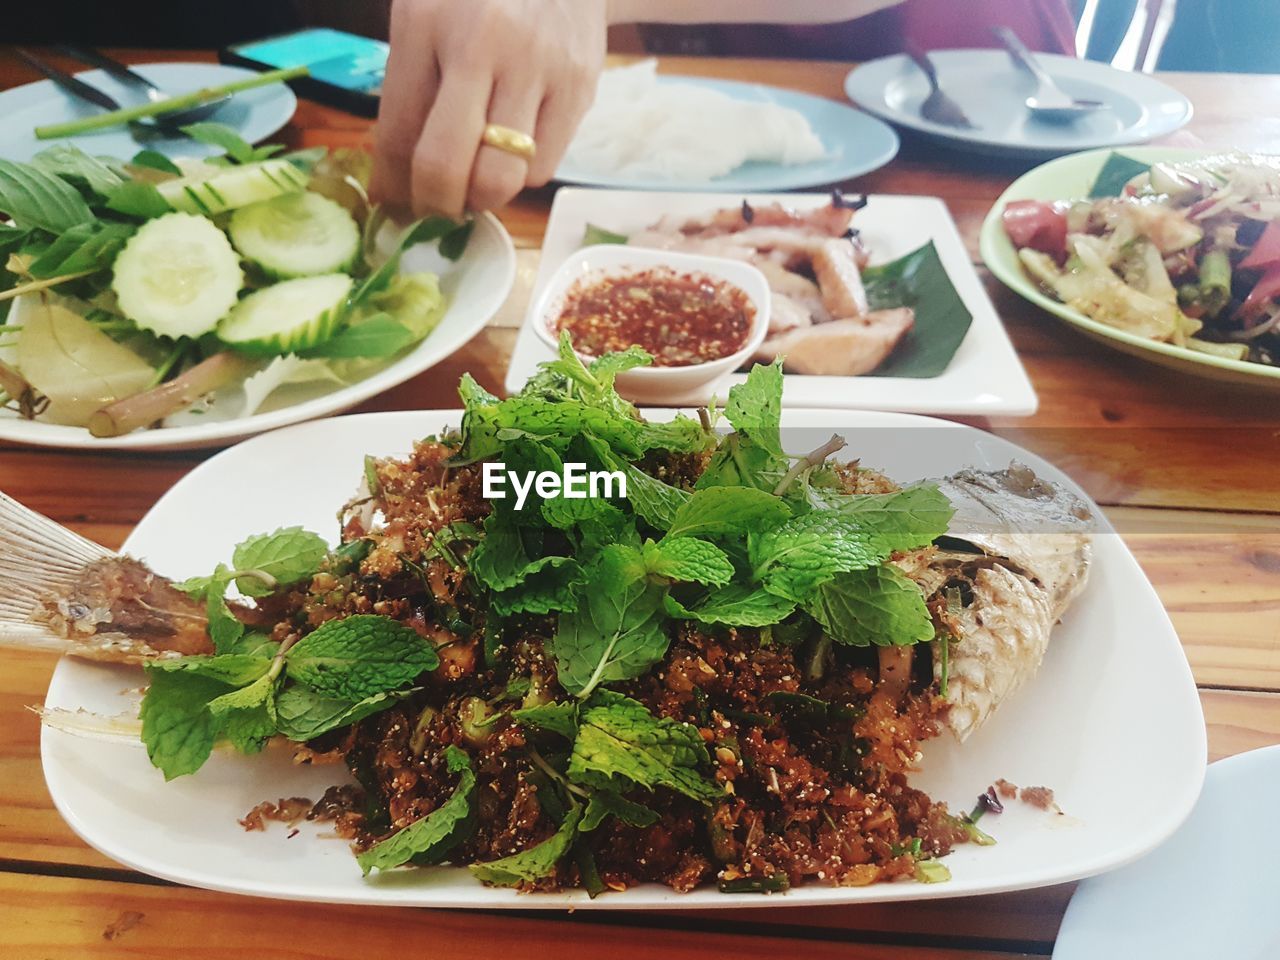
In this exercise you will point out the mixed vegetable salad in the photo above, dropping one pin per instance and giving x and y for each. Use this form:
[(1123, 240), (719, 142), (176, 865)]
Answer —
[(132, 290), (1184, 253)]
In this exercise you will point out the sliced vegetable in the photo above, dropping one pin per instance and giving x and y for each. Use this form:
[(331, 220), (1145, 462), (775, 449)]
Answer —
[(1038, 225), (1266, 252), (288, 317), (143, 409), (296, 235), (232, 187), (177, 276)]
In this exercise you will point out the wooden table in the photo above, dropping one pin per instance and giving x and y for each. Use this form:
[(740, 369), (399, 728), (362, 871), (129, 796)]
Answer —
[(1186, 468)]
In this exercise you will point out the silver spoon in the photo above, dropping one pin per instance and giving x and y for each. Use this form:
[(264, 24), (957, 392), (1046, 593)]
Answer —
[(1049, 102), (115, 68)]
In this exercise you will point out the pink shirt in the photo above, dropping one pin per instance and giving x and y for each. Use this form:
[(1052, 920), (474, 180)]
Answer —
[(929, 24)]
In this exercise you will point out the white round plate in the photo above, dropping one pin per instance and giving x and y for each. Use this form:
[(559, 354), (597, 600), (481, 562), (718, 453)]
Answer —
[(1114, 664), (855, 143), (1210, 891), (476, 285), (991, 90), (254, 114)]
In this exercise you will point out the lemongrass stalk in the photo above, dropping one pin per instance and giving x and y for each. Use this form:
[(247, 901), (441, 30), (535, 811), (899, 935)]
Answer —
[(143, 409), (182, 102), (33, 286)]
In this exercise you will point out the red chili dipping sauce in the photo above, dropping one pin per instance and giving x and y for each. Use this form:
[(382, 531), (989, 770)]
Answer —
[(680, 318)]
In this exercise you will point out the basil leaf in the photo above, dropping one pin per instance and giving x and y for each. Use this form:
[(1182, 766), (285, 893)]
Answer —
[(223, 137), (378, 336), (360, 656), (71, 163), (134, 198), (155, 160), (429, 840)]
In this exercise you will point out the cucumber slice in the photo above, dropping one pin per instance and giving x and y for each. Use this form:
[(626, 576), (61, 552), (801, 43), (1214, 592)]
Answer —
[(232, 187), (296, 235), (177, 276), (287, 317)]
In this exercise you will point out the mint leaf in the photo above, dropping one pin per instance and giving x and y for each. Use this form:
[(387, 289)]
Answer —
[(430, 839), (504, 557), (551, 585), (286, 556), (654, 501), (735, 606), (34, 198), (688, 559), (379, 336), (177, 727), (792, 559), (620, 744), (605, 803), (755, 407), (564, 513), (536, 862), (225, 630), (561, 718), (303, 714), (237, 669), (134, 198), (879, 605), (912, 517), (247, 717), (718, 511), (617, 632), (740, 462), (359, 657)]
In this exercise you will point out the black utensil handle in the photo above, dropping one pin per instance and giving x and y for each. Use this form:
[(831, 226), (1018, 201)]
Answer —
[(67, 82), (109, 66)]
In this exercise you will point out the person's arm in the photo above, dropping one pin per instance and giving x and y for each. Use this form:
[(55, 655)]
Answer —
[(742, 11)]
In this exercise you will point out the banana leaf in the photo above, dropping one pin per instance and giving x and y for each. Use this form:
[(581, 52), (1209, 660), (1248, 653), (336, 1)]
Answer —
[(1115, 173), (918, 280)]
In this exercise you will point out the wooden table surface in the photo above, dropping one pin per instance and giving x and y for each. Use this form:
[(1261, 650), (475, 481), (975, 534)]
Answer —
[(1187, 470)]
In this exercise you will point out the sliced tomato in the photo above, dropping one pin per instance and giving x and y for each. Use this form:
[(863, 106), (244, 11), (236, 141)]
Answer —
[(1036, 224), (1264, 291), (1266, 252)]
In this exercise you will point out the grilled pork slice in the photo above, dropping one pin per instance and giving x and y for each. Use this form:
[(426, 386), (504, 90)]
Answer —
[(847, 347)]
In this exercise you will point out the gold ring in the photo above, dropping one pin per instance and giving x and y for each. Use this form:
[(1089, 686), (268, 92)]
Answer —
[(510, 141)]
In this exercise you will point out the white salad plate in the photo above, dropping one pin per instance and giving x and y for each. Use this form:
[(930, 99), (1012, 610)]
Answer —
[(1114, 664), (984, 377), (475, 285), (1208, 892), (254, 114), (991, 91), (855, 143)]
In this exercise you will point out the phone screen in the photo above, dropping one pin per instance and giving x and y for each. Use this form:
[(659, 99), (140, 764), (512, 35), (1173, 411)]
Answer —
[(342, 59)]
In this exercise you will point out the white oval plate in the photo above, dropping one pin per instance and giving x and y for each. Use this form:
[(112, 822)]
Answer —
[(476, 284), (255, 114), (1126, 762), (1069, 178), (991, 90), (1209, 892)]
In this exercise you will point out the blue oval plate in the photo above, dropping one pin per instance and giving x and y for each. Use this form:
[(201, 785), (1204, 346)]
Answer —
[(856, 143), (991, 91), (255, 114)]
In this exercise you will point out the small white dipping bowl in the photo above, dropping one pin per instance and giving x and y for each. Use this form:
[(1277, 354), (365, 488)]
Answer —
[(672, 386)]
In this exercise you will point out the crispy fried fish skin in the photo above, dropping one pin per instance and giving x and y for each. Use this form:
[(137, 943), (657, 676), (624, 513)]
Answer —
[(1018, 553)]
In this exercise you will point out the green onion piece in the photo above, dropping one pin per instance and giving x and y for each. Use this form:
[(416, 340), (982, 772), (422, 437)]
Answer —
[(932, 871), (1215, 282)]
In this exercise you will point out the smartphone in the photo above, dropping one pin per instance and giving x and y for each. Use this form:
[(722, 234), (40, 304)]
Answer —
[(346, 69)]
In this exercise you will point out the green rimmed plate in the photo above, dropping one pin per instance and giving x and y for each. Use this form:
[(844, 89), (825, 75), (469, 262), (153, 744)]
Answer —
[(1072, 177)]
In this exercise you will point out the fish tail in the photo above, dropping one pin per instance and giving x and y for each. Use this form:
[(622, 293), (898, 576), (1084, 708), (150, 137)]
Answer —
[(39, 560)]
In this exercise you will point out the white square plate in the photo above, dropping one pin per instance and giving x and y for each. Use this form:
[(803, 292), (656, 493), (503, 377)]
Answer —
[(984, 377), (1112, 723)]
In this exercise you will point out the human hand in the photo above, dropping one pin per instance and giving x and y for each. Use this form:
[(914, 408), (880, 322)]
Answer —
[(458, 65)]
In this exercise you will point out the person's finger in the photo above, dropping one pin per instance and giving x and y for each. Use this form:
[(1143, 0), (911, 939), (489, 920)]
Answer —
[(408, 91), (446, 149), (558, 120), (498, 175)]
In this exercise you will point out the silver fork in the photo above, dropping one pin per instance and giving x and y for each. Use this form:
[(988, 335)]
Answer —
[(938, 107)]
